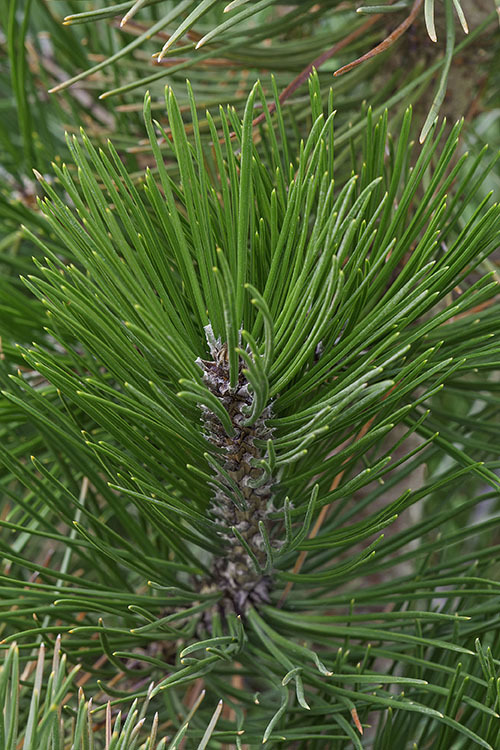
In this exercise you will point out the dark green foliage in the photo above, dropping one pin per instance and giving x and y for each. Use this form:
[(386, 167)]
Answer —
[(359, 311), (249, 423)]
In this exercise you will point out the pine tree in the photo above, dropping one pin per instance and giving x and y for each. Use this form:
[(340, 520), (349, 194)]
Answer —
[(249, 460)]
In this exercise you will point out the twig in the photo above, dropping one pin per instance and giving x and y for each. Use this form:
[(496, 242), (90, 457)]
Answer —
[(388, 41), (316, 64)]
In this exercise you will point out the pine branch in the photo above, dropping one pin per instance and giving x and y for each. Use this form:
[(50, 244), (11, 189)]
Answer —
[(332, 334)]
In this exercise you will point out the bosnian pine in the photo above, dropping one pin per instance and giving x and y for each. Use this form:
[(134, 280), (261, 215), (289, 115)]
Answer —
[(247, 354)]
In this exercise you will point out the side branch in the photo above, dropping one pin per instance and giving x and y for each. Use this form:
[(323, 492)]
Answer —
[(388, 41)]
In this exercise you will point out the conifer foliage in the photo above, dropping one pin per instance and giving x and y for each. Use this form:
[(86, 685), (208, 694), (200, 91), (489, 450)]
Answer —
[(246, 354)]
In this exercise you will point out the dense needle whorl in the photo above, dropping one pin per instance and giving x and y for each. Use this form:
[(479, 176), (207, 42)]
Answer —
[(235, 502)]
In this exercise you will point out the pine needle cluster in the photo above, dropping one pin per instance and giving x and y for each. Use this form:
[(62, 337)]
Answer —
[(229, 359), (249, 414)]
